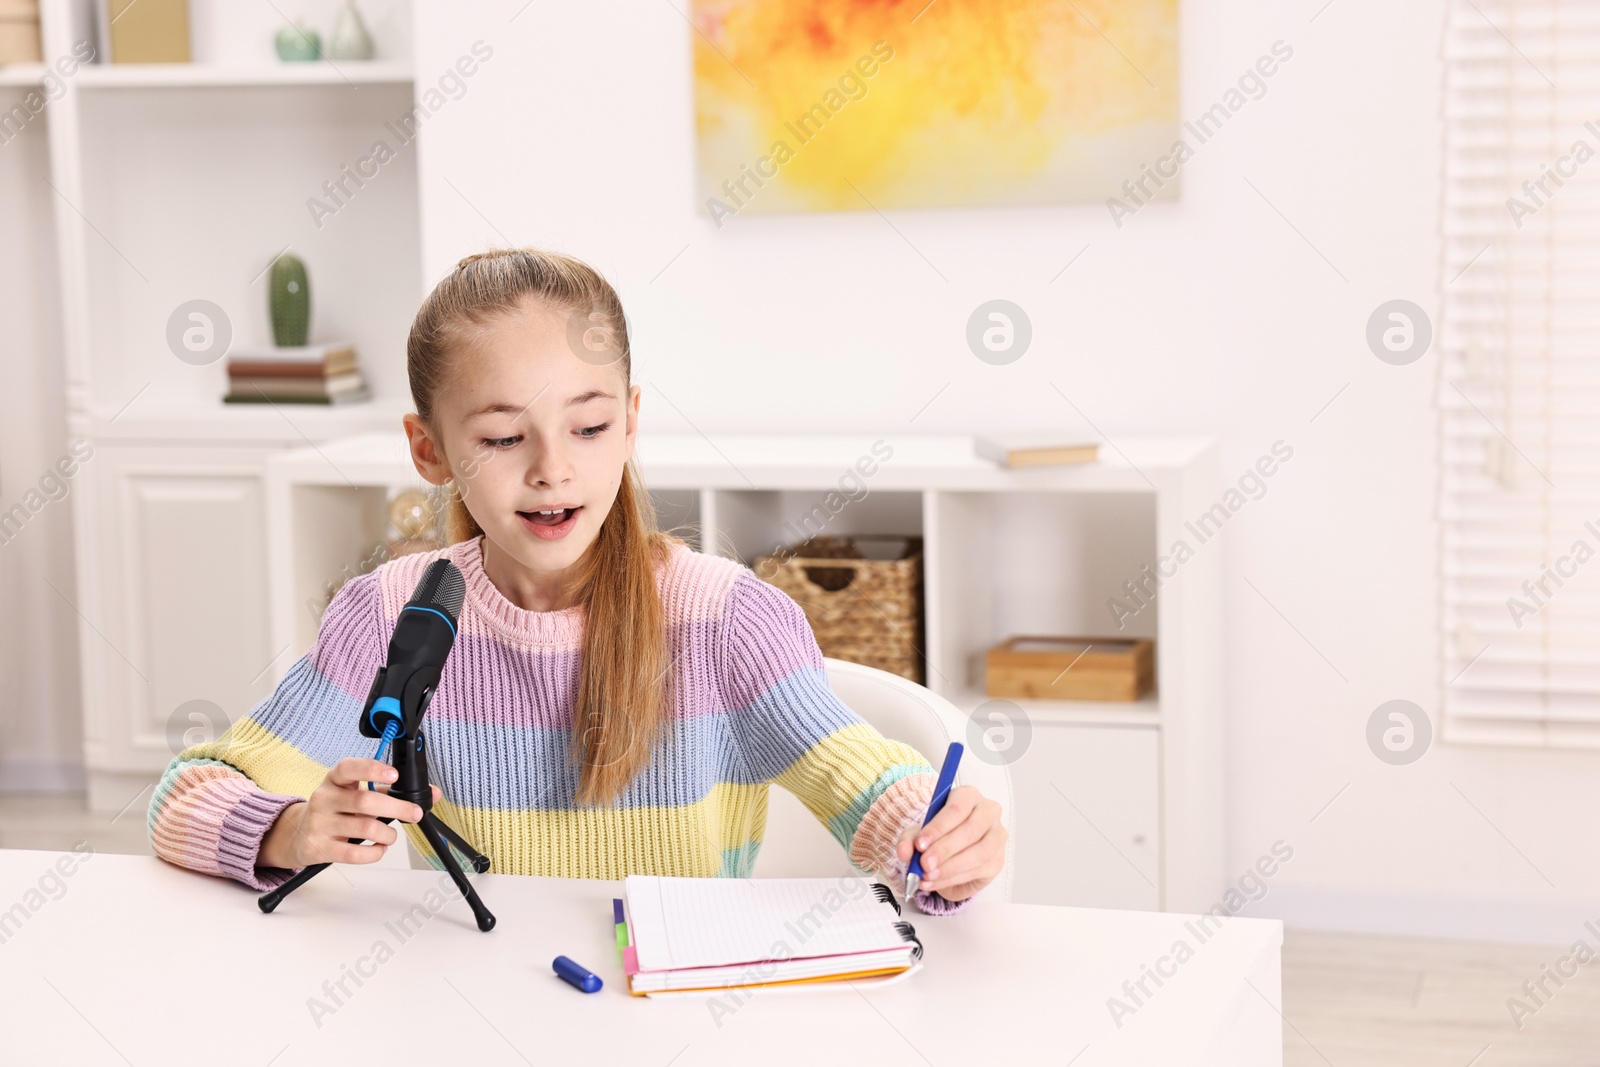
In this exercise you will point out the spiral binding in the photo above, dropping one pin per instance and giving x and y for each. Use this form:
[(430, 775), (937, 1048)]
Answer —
[(909, 933), (886, 895), (906, 931)]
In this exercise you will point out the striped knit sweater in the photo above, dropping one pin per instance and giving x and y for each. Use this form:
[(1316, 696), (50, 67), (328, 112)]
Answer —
[(752, 707)]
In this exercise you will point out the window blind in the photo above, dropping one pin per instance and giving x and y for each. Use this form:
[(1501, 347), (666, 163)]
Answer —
[(1519, 391)]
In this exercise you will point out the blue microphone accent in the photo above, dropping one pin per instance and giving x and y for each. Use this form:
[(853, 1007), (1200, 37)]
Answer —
[(389, 704), (436, 611), (389, 733)]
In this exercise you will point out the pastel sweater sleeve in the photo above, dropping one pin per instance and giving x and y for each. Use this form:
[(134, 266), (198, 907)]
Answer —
[(217, 800), (792, 730)]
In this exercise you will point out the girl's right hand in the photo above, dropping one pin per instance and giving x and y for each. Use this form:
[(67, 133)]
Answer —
[(318, 830)]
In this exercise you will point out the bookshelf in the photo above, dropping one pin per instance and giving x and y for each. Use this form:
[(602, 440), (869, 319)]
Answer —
[(174, 182)]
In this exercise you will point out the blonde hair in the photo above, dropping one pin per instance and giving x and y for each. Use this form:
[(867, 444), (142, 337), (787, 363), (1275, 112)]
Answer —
[(626, 684)]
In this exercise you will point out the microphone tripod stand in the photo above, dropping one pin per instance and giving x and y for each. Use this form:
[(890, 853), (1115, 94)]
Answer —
[(409, 759)]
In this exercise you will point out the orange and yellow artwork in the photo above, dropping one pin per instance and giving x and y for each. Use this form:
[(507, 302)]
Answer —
[(844, 105)]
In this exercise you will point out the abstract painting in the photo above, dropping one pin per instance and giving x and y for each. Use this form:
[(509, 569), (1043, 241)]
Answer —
[(844, 105)]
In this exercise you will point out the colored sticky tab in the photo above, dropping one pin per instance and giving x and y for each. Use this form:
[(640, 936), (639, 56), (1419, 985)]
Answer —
[(621, 924), (630, 960)]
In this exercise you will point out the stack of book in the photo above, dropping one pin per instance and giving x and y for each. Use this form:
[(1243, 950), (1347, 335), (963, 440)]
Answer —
[(310, 374)]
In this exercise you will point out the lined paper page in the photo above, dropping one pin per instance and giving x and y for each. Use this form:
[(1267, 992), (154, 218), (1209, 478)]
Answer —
[(703, 922)]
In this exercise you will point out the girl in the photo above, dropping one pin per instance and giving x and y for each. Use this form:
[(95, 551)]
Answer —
[(615, 702)]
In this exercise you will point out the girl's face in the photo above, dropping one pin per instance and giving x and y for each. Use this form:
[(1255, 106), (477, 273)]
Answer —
[(524, 425)]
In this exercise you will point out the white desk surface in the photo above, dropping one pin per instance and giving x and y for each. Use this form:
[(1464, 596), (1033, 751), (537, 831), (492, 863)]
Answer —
[(130, 960)]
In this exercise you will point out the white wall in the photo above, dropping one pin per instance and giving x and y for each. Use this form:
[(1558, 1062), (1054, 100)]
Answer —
[(41, 734), (1210, 315)]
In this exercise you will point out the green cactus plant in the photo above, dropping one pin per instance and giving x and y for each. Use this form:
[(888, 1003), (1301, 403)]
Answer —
[(289, 301)]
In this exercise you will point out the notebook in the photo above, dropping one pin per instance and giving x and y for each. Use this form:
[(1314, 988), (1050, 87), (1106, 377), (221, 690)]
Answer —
[(733, 933)]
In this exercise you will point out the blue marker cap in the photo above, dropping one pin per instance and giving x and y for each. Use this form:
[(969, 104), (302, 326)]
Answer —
[(576, 975)]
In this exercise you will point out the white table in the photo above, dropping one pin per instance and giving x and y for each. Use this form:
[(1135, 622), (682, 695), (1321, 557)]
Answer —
[(129, 960)]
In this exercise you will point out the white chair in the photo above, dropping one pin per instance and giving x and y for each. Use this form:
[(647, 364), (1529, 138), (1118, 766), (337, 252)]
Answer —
[(796, 845)]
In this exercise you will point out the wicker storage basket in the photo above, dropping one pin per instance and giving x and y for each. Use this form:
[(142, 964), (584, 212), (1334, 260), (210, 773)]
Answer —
[(864, 610)]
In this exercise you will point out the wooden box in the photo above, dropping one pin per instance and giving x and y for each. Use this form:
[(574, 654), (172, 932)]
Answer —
[(1071, 668)]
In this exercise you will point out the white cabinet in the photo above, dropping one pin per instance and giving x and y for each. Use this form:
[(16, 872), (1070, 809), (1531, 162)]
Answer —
[(1088, 825), (172, 600)]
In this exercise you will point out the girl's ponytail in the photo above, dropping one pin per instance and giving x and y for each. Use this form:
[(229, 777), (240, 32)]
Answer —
[(459, 525), (625, 664)]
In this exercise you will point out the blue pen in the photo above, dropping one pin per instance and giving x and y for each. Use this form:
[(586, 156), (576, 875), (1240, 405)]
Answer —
[(941, 793)]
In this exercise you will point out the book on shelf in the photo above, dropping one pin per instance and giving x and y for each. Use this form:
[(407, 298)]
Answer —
[(263, 397), (157, 33), (267, 368), (331, 352), (330, 386), (1035, 450), (306, 374)]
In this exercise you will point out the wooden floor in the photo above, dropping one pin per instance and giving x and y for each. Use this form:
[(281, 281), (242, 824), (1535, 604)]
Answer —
[(1347, 1001), (57, 823), (1364, 1001)]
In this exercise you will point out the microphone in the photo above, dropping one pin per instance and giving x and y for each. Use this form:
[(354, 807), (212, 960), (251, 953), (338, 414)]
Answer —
[(401, 691), (418, 648)]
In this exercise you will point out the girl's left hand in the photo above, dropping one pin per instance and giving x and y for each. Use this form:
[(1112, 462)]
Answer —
[(963, 847)]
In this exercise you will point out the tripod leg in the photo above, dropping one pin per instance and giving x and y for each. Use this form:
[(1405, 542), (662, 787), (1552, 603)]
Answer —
[(269, 900), (480, 862), (430, 829)]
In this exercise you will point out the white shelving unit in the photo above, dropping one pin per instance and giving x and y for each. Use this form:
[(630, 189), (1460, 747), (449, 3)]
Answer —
[(216, 75), (1117, 804), (176, 182), (21, 75)]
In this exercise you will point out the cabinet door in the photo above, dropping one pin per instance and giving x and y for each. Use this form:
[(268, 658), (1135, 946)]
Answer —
[(173, 598), (1088, 817)]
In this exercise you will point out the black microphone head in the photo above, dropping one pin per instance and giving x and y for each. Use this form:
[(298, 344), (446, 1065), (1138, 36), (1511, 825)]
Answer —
[(442, 588)]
